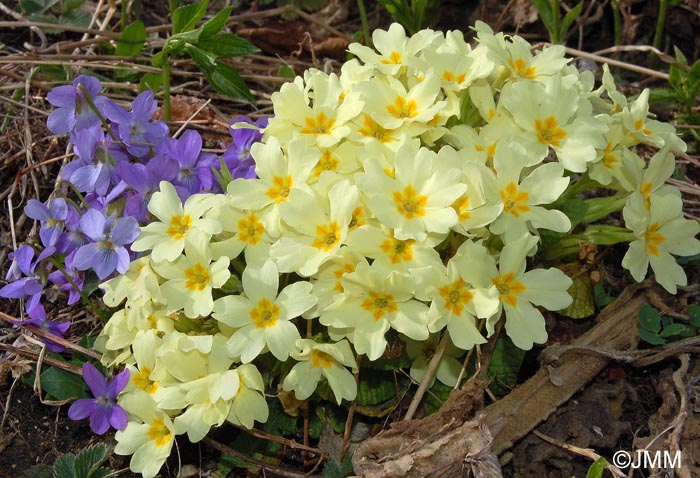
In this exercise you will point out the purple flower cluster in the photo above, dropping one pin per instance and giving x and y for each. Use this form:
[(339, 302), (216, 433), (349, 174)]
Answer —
[(122, 155)]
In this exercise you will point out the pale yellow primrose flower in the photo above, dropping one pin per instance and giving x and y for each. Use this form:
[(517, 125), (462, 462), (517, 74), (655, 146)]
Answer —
[(322, 123), (417, 200), (147, 373), (393, 52), (661, 231), (211, 398), (177, 225), (407, 256), (392, 105), (481, 204), (522, 200), (249, 403), (241, 230), (422, 352), (139, 284), (456, 303), (327, 281), (518, 290), (148, 436), (653, 178), (318, 360), (262, 316), (279, 172), (553, 115), (456, 64), (191, 278), (373, 300), (321, 225), (642, 129), (515, 54), (125, 323)]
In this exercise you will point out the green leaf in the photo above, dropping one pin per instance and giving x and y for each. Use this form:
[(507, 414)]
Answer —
[(132, 39), (505, 364), (575, 210), (581, 292), (186, 17), (227, 45), (286, 71), (334, 470), (53, 72), (89, 460), (694, 73), (602, 298), (228, 82), (662, 95), (30, 7), (650, 337), (159, 59), (181, 41), (675, 78), (679, 55), (650, 319), (544, 8), (150, 81), (375, 388), (91, 283), (279, 423), (71, 4), (694, 315), (64, 466), (62, 385), (674, 329), (215, 24), (76, 18), (596, 469), (569, 18)]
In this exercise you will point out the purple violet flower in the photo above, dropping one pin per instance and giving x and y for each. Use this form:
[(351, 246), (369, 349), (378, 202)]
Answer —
[(107, 253), (74, 237), (195, 168), (52, 218), (103, 409), (73, 113), (58, 278), (237, 155), (145, 179), (22, 276), (96, 168), (37, 318), (136, 129)]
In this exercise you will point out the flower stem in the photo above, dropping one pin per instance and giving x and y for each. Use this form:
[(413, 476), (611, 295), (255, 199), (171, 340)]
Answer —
[(72, 187), (94, 108), (660, 20), (86, 300), (165, 72), (365, 23)]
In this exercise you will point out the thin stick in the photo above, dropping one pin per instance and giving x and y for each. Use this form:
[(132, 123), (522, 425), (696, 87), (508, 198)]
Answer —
[(428, 378), (52, 337), (621, 64), (35, 356), (281, 440), (264, 466), (192, 116), (587, 452)]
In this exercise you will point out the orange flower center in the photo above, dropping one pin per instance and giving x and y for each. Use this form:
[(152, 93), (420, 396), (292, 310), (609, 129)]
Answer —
[(179, 225)]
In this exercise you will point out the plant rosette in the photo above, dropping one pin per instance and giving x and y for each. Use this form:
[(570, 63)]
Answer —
[(406, 195)]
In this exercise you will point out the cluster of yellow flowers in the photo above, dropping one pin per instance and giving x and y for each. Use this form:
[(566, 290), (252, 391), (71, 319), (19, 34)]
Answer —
[(405, 193)]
